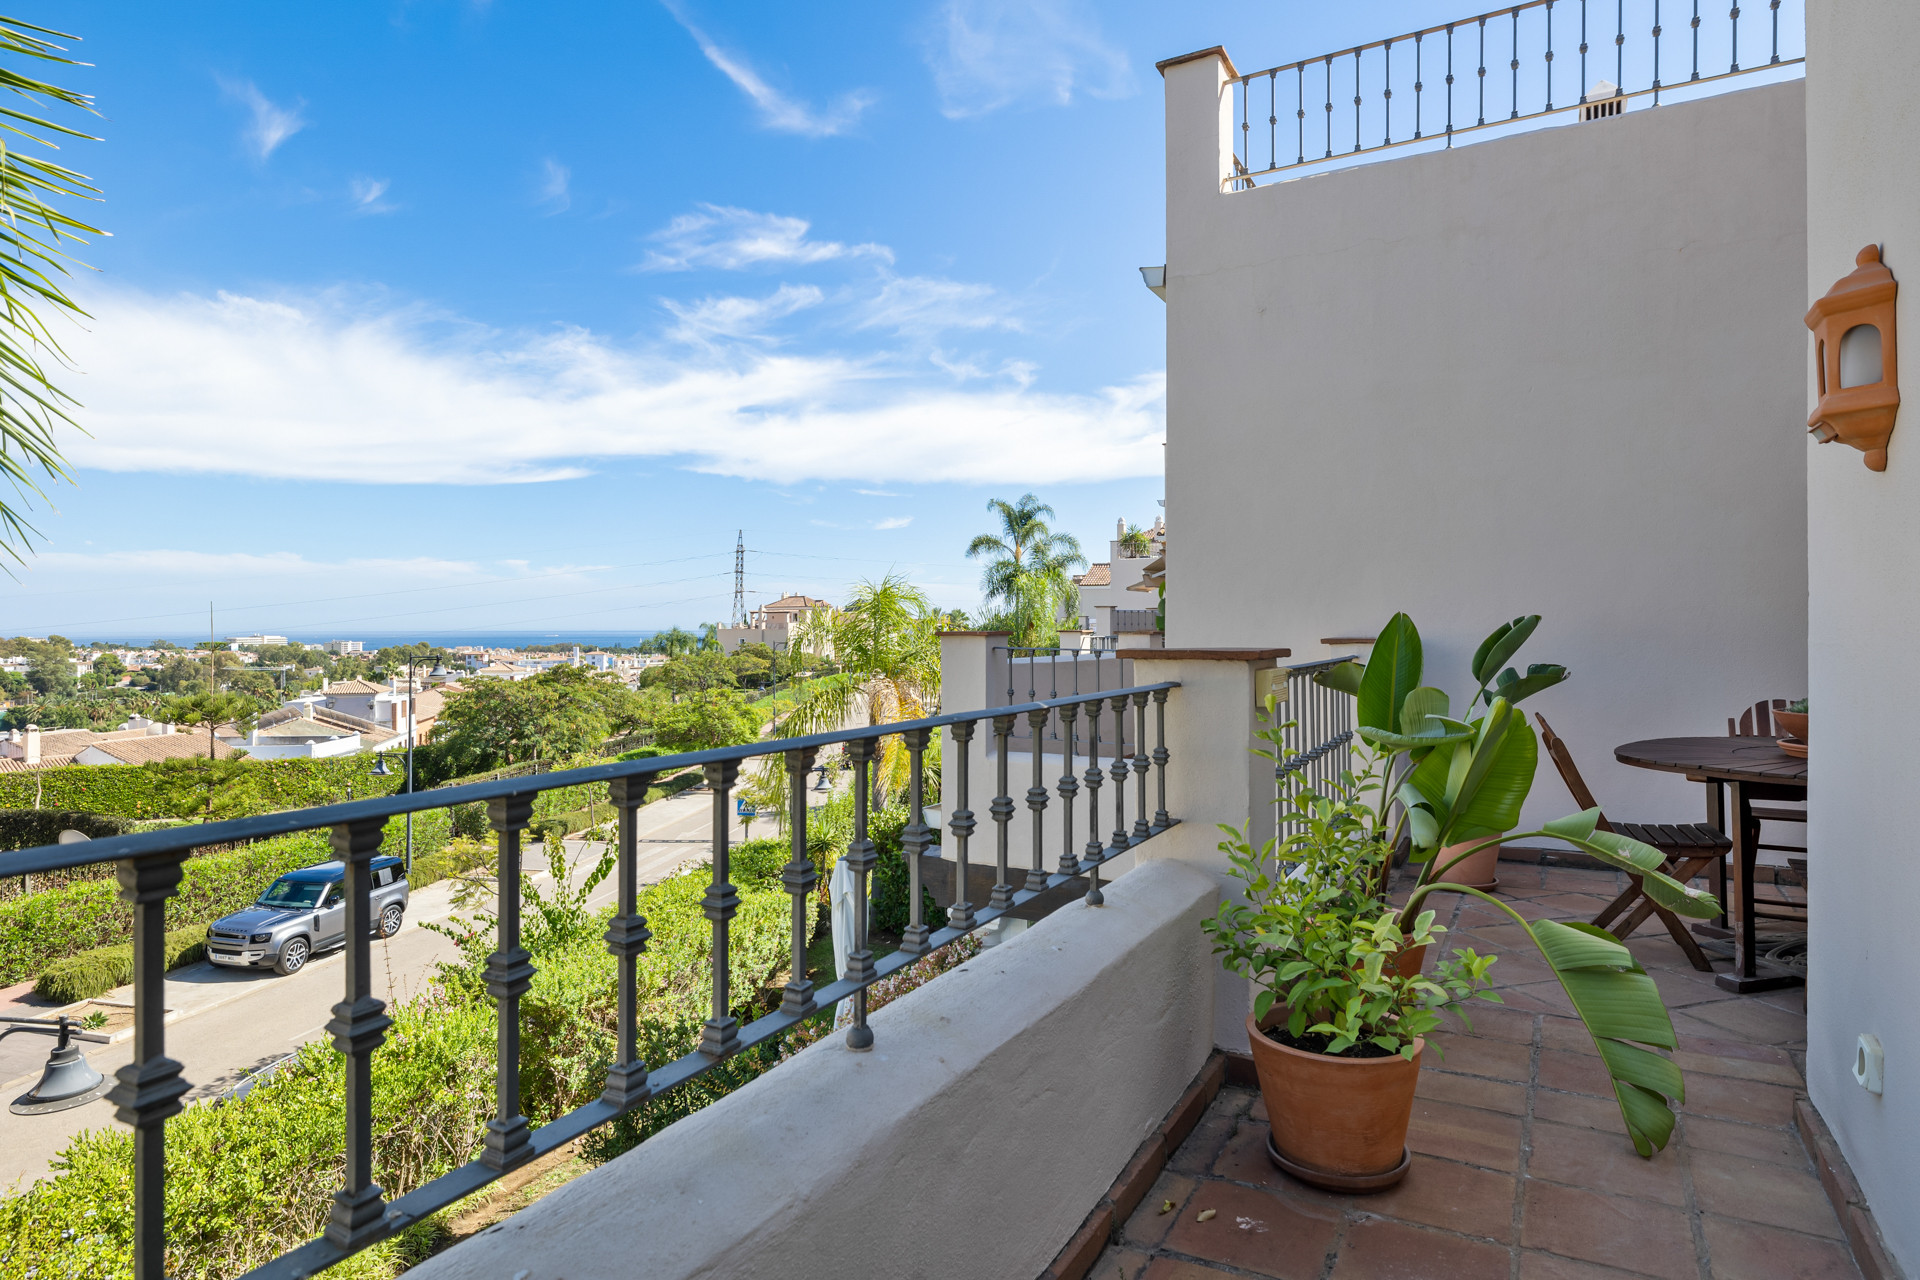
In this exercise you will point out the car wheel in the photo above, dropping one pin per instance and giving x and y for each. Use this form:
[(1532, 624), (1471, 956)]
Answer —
[(293, 956), (390, 920)]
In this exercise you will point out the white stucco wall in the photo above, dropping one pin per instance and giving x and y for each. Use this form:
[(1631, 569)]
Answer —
[(1863, 552), (1554, 373), (997, 1105)]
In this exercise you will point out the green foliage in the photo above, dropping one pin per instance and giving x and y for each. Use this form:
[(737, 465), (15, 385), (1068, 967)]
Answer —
[(557, 715), (719, 717), (99, 970), (100, 710), (457, 856), (889, 890), (178, 788), (40, 928), (27, 828), (1030, 569)]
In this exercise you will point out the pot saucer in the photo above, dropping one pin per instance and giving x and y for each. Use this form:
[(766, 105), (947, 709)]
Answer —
[(1793, 747), (1361, 1182)]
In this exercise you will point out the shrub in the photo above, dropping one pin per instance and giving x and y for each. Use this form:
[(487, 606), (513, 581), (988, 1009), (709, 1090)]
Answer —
[(43, 927), (180, 788), (469, 821), (27, 828), (456, 857), (888, 891), (99, 970)]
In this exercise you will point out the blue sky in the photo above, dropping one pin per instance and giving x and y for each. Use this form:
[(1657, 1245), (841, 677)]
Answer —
[(434, 316)]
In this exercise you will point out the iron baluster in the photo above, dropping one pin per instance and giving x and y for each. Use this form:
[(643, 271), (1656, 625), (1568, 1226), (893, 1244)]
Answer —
[(1002, 811), (1273, 125), (1356, 100), (627, 936), (915, 839), (1775, 6), (1483, 71), (1246, 143), (1300, 113), (960, 913), (1549, 55), (1140, 829), (1656, 52), (1329, 154), (359, 1026), (1734, 14), (1515, 65), (1037, 803), (1069, 787), (1161, 819), (509, 1140), (798, 877), (1619, 47), (1449, 88), (720, 1035), (1094, 778), (1119, 775), (860, 858), (1583, 52), (1418, 86), (1695, 24), (1386, 96), (150, 1087)]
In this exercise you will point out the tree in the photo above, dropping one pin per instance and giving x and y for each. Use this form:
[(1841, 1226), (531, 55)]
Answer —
[(671, 641), (1136, 541), (698, 673), (1030, 572), (706, 719), (559, 715), (49, 670), (210, 709), (110, 666)]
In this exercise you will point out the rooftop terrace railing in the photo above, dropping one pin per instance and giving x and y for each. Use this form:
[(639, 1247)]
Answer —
[(1316, 725), (1645, 54), (148, 866)]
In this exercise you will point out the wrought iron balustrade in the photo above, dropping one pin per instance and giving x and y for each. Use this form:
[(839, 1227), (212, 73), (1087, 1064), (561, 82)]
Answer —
[(148, 866), (1316, 725), (1035, 675), (1421, 69)]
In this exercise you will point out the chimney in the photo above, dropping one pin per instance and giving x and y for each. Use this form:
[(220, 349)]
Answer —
[(33, 744), (1119, 528)]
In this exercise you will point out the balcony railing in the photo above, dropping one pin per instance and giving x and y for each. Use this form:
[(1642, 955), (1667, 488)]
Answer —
[(1046, 675), (1645, 54), (1135, 621), (1316, 726), (148, 867)]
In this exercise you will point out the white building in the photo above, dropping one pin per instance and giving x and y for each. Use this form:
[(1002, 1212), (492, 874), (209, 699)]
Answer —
[(338, 647), (1116, 600), (772, 624)]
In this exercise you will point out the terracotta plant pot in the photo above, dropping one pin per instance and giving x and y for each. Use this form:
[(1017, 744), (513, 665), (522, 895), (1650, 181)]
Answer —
[(1338, 1123), (1791, 723), (1481, 871), (1409, 962)]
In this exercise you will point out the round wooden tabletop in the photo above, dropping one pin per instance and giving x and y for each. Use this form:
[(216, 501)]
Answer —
[(1729, 758)]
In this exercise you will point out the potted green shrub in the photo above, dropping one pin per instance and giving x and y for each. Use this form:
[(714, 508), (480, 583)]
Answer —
[(1439, 783)]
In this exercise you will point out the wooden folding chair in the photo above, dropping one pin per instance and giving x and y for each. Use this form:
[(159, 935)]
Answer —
[(1689, 849)]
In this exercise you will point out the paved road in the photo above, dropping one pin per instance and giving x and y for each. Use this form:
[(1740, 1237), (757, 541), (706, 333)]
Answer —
[(228, 1023)]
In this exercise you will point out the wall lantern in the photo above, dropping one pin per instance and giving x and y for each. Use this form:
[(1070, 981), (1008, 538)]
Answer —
[(1854, 356)]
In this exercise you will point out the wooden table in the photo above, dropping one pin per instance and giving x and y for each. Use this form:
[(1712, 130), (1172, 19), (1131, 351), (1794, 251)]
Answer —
[(1751, 769)]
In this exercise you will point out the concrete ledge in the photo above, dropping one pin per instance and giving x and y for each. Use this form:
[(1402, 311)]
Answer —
[(1849, 1205), (996, 1104)]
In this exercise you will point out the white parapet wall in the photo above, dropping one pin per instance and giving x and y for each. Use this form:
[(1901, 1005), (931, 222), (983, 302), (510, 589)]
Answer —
[(997, 1105)]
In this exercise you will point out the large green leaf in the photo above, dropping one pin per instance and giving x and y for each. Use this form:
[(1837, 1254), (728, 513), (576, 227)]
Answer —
[(1500, 646), (1541, 675), (1498, 776), (1645, 861), (1619, 1005), (1423, 723), (1393, 671), (1344, 678)]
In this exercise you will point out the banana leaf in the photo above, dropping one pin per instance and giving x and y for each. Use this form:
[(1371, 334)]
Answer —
[(1541, 675), (1344, 678), (1475, 789), (1423, 723), (1393, 671), (1635, 858), (1500, 646)]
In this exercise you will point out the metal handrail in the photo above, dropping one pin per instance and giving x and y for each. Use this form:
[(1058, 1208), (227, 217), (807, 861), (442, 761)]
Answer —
[(1246, 175), (1317, 722), (148, 867)]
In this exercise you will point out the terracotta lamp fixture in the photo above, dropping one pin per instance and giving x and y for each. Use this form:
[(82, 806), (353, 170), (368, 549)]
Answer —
[(1854, 358)]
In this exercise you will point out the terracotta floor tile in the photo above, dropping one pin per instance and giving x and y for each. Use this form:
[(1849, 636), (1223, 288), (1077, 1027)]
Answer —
[(1478, 1056), (1755, 1142), (1148, 1226), (1724, 1099), (1602, 1161), (1258, 1109), (1652, 949), (1579, 1109), (1119, 1264), (1577, 906), (1391, 1251), (1473, 1091), (1466, 1134), (1567, 1035), (1793, 1000), (1507, 936), (1684, 990), (1752, 1020), (1761, 1191), (1744, 1250), (1497, 1022), (1575, 1073), (1722, 1047), (1259, 1231), (1197, 1153), (1634, 1235), (1519, 966), (1540, 997), (1180, 1269), (1437, 1193), (1535, 1265), (1780, 1073)]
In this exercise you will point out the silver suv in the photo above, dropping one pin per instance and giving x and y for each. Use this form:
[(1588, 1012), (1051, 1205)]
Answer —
[(303, 912)]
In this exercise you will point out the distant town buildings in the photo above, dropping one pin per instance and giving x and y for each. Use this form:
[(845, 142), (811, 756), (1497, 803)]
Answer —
[(339, 647)]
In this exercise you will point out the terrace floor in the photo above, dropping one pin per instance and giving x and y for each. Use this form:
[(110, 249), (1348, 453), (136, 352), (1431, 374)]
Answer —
[(1521, 1168)]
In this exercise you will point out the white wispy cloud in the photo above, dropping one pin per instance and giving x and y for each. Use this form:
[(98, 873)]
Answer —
[(368, 195), (894, 522), (730, 239), (708, 319), (777, 110), (243, 385), (989, 54), (928, 304), (268, 125), (555, 193)]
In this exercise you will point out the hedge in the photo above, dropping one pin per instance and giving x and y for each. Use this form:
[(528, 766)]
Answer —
[(101, 969), (27, 828), (43, 927), (179, 788)]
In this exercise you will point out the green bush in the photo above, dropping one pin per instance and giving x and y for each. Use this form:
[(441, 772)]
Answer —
[(889, 890), (101, 969), (180, 788), (453, 858), (28, 828), (43, 927)]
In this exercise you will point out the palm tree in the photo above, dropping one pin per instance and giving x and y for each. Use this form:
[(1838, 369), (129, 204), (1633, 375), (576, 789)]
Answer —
[(1031, 573), (889, 656), (1136, 541)]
